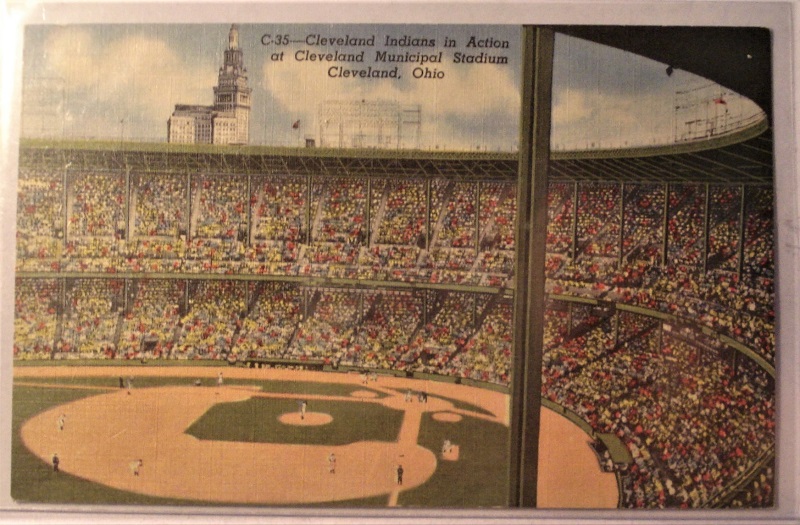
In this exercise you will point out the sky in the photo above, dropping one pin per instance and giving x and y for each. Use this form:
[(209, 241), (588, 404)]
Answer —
[(122, 82)]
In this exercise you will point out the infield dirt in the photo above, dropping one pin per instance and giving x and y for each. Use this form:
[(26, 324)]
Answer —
[(103, 434)]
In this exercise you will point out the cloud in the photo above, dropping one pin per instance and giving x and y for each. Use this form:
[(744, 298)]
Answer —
[(587, 118), (590, 116), (104, 81), (572, 106), (459, 110), (132, 77)]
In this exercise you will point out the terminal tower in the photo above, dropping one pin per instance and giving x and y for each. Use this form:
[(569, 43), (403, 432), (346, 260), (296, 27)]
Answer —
[(228, 120)]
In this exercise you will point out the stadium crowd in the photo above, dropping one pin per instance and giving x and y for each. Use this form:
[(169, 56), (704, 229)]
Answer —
[(610, 243), (286, 226), (693, 418), (214, 317), (598, 220), (463, 334), (37, 311), (40, 220), (271, 321), (691, 422), (382, 334), (150, 319), (92, 310), (737, 304), (642, 235), (685, 225)]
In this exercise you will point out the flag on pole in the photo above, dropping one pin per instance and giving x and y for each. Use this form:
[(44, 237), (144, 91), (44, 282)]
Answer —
[(296, 124), (719, 100)]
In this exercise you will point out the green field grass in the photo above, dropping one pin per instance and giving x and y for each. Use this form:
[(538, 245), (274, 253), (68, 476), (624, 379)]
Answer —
[(480, 476), (478, 479), (34, 481), (271, 386), (458, 405), (256, 420)]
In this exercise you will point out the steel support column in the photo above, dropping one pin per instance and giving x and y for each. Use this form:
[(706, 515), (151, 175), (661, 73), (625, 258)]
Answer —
[(534, 158)]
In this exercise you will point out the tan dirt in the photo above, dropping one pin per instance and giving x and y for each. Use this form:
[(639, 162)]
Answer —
[(105, 433), (311, 419), (447, 417)]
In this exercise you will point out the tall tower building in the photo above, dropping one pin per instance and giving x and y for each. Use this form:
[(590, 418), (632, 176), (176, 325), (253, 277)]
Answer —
[(231, 95), (228, 120)]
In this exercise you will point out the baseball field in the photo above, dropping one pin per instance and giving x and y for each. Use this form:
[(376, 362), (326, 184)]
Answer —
[(211, 435)]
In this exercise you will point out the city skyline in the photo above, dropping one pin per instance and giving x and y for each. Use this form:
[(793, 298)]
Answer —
[(602, 97)]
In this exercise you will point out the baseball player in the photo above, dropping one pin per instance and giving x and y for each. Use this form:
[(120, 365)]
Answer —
[(219, 379), (303, 406), (56, 461), (62, 419), (447, 446), (135, 466), (332, 463), (399, 474)]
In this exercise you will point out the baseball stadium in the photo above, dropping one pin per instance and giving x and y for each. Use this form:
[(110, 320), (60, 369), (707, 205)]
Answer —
[(264, 326)]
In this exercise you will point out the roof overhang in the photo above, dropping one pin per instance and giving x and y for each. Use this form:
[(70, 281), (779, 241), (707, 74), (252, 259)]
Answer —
[(738, 58)]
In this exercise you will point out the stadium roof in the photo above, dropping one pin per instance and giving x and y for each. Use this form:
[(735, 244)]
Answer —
[(741, 158), (739, 58)]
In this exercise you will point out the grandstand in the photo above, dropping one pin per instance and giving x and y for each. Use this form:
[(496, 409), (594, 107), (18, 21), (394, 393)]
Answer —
[(374, 268), (659, 315)]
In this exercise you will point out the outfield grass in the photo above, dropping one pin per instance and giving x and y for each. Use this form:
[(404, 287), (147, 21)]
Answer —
[(457, 404), (265, 385), (256, 420), (480, 476), (34, 481), (478, 479)]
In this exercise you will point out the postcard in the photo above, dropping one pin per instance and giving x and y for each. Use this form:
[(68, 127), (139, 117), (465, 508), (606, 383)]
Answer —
[(380, 265)]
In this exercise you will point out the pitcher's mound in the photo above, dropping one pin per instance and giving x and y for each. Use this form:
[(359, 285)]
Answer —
[(311, 419)]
